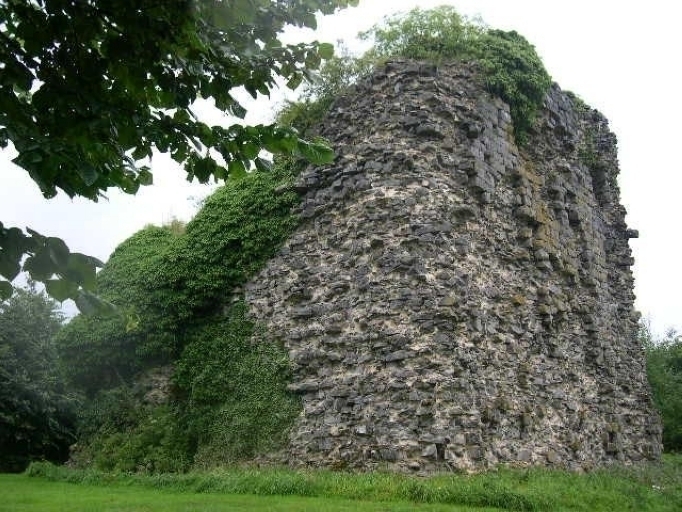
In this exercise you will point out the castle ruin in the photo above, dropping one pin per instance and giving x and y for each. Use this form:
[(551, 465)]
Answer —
[(453, 300)]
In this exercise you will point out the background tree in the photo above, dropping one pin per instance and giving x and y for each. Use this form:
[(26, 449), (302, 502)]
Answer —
[(36, 414), (89, 90), (664, 369)]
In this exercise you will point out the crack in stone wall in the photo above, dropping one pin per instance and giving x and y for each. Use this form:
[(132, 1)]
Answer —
[(452, 301)]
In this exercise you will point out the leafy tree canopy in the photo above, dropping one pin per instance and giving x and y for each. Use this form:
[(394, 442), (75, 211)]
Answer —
[(90, 88)]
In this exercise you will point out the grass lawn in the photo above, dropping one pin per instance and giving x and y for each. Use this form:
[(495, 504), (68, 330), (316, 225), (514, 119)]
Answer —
[(47, 488), (20, 493)]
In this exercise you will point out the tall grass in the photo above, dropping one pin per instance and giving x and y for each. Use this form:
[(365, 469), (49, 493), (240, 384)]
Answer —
[(652, 487)]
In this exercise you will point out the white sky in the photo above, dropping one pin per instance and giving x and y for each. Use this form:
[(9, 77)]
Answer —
[(620, 57)]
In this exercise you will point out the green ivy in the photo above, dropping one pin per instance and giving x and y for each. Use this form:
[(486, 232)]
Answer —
[(235, 389), (514, 72), (174, 286), (101, 352), (238, 229)]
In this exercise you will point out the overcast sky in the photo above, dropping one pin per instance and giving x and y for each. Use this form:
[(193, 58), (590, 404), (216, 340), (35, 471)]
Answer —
[(620, 57)]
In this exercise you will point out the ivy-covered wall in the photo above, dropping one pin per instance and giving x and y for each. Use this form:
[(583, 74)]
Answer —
[(223, 395)]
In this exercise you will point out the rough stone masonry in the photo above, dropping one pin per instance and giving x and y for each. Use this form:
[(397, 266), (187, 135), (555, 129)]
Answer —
[(453, 301)]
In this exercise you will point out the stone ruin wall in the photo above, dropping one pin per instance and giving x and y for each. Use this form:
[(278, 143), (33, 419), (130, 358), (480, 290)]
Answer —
[(453, 301)]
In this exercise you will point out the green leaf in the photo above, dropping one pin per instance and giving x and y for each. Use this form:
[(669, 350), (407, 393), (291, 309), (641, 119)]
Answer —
[(250, 150), (295, 81), (236, 169), (312, 60), (141, 151), (9, 266), (309, 20), (6, 290), (316, 153), (181, 116), (237, 110), (220, 173), (40, 266), (4, 138), (263, 165), (203, 168), (88, 173), (58, 251), (129, 186), (325, 50), (90, 304), (280, 141), (82, 270), (145, 177), (289, 141), (36, 236), (61, 289)]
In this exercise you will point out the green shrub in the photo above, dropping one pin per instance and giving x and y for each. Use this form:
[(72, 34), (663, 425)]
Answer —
[(664, 369), (157, 443), (336, 76), (511, 69), (436, 35), (121, 433)]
